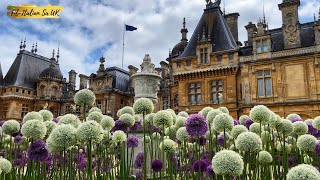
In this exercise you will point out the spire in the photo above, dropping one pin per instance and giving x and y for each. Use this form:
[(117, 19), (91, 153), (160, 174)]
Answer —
[(319, 15), (58, 53), (101, 69), (52, 54), (36, 48), (264, 15), (52, 60), (184, 30), (24, 44), (20, 45), (224, 7), (32, 50)]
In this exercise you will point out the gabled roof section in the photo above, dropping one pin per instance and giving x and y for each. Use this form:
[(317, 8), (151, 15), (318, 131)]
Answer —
[(120, 78), (221, 37)]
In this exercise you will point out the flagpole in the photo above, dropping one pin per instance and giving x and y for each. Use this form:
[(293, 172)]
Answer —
[(124, 31)]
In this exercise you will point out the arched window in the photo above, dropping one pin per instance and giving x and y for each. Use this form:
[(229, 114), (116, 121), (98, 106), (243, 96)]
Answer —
[(54, 91), (176, 100), (42, 90)]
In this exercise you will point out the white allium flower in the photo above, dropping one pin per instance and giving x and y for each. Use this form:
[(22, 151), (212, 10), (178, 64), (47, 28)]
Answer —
[(173, 114), (182, 134), (127, 119), (119, 113), (47, 115), (292, 116), (143, 106), (303, 172), (224, 110), (90, 131), (212, 114), (316, 123), (180, 121), (84, 97), (163, 118), (266, 136), (238, 129), (50, 126), (307, 159), (34, 129), (168, 145), (171, 131), (248, 141), (205, 111), (148, 120), (62, 137), (107, 122), (264, 157), (127, 110), (207, 135), (10, 127), (106, 136), (183, 114), (119, 136), (156, 136), (32, 116), (70, 119), (95, 116), (260, 114), (285, 127), (137, 118), (307, 143), (5, 166), (243, 119), (291, 140), (300, 128), (223, 122), (227, 162), (255, 127), (308, 121), (95, 109), (287, 147), (275, 121), (148, 139)]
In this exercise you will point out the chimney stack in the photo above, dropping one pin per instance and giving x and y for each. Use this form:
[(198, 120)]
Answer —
[(251, 29), (232, 21)]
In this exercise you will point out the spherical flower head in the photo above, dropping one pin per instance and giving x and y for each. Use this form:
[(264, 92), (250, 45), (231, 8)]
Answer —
[(171, 131), (300, 128), (307, 159), (238, 129), (293, 120), (196, 125), (38, 151), (182, 134), (255, 128), (156, 165), (70, 119), (303, 172), (118, 137), (47, 115), (168, 145), (311, 130), (248, 141), (32, 116), (227, 162), (90, 131), (106, 136), (223, 122), (146, 140), (132, 142), (5, 166), (200, 166), (62, 137), (264, 157), (137, 118), (248, 123), (50, 126), (34, 129), (307, 143), (95, 116), (243, 119), (127, 110), (138, 162), (118, 113), (10, 127), (107, 122), (55, 120), (260, 114), (95, 109), (292, 116), (287, 147), (148, 120), (285, 127), (183, 114), (316, 123), (317, 149), (275, 121), (210, 172), (156, 136), (212, 114), (180, 121), (162, 119), (2, 122), (84, 97), (119, 126), (224, 110), (173, 114), (17, 139), (127, 119), (143, 106), (205, 111)]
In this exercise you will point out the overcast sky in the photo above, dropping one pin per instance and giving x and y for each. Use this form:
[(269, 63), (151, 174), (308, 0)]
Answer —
[(89, 28)]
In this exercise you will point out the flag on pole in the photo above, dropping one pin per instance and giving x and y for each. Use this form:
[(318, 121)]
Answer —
[(130, 28)]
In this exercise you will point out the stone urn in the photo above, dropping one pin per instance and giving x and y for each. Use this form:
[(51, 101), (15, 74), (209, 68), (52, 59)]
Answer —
[(147, 82)]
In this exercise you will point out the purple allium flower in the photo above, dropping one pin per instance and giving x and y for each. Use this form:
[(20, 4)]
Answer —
[(236, 122), (318, 148), (153, 129), (203, 165), (311, 130), (202, 141), (293, 120), (248, 123), (209, 171), (56, 120), (136, 126), (156, 165), (17, 139), (138, 163), (38, 151), (196, 125), (119, 126), (132, 142), (20, 162), (221, 140), (139, 175), (2, 122), (292, 161)]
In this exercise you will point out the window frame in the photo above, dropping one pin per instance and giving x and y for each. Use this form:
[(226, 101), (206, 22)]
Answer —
[(204, 55), (195, 93), (264, 77), (262, 46), (215, 90), (24, 110)]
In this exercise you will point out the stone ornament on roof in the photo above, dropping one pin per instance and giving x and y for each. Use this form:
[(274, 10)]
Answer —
[(147, 66), (210, 4)]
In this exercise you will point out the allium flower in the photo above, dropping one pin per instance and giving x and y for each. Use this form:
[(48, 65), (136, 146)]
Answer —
[(156, 136), (212, 114), (180, 121), (210, 172), (127, 119), (50, 125), (127, 110), (132, 142), (2, 122), (227, 162), (143, 106), (311, 130), (173, 114), (221, 140), (307, 143), (202, 163), (260, 114), (285, 127), (275, 121), (264, 157), (300, 128), (293, 120), (34, 129), (171, 131), (95, 109), (196, 125), (106, 136), (156, 165), (119, 136), (32, 116), (5, 166), (55, 120), (70, 119), (168, 145), (38, 151), (243, 119), (138, 162), (205, 111), (224, 110), (266, 136), (307, 159), (62, 137), (287, 147), (107, 122), (137, 118), (17, 139), (182, 134), (90, 131), (248, 141), (84, 97), (47, 115), (147, 139), (291, 116), (95, 116), (10, 127), (248, 123), (317, 149), (223, 122), (148, 120), (162, 119), (137, 125), (255, 128), (183, 114), (303, 172), (238, 129), (119, 126), (316, 123)]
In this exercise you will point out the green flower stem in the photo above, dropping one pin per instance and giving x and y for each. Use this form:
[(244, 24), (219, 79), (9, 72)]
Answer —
[(89, 161), (144, 148)]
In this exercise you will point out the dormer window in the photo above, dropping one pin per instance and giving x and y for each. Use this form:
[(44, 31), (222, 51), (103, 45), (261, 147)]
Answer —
[(219, 58), (231, 56), (178, 64), (262, 46), (204, 55), (188, 63)]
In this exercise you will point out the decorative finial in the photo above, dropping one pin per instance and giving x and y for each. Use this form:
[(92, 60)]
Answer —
[(184, 23), (21, 45), (32, 50), (224, 7), (24, 43), (102, 59), (264, 16), (314, 18), (208, 1), (36, 48), (58, 53), (53, 53), (319, 14)]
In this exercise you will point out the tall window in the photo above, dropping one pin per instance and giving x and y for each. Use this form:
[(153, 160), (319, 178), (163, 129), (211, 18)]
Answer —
[(68, 109), (24, 110), (216, 88), (262, 46), (5, 110), (219, 58), (195, 93), (42, 90), (264, 83), (204, 55), (99, 104), (54, 92), (231, 55), (178, 64), (165, 103), (78, 109)]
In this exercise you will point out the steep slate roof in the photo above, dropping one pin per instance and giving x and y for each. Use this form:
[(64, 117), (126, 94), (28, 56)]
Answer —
[(25, 70), (120, 78), (221, 36), (1, 76)]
